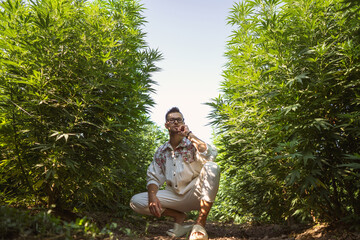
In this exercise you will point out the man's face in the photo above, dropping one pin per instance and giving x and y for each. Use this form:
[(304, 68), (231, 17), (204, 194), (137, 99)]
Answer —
[(174, 122)]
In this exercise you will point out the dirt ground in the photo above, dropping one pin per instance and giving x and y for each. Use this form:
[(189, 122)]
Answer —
[(129, 227), (156, 230)]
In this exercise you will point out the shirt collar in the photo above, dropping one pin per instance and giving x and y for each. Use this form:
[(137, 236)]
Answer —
[(184, 143)]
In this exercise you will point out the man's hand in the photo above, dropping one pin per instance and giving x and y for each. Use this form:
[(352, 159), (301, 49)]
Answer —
[(183, 130), (154, 206)]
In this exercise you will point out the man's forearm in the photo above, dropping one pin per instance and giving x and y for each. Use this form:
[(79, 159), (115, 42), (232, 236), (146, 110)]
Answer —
[(199, 144)]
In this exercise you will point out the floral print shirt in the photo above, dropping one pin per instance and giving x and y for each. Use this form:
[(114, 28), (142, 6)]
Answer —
[(179, 167)]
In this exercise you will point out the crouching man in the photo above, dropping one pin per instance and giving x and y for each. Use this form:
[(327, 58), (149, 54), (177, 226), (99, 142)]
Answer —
[(187, 165)]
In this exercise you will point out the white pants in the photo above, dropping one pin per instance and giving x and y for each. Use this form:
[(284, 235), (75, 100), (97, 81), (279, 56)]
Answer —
[(205, 188)]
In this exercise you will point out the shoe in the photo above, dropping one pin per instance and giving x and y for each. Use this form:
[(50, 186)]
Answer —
[(179, 230), (198, 229)]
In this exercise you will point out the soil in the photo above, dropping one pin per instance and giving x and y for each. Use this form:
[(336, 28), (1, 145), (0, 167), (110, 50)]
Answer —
[(150, 228), (155, 229)]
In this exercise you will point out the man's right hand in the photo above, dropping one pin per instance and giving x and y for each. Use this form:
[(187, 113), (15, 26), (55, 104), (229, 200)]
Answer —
[(154, 206)]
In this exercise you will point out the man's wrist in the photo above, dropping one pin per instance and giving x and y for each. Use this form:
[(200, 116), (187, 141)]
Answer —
[(188, 134), (152, 189)]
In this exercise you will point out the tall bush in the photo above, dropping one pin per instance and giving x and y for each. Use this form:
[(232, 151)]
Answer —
[(288, 114), (75, 90)]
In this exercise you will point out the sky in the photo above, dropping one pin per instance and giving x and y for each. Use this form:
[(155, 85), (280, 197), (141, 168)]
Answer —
[(192, 36)]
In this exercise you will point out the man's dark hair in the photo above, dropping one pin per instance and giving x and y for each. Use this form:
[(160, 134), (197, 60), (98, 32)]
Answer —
[(172, 110)]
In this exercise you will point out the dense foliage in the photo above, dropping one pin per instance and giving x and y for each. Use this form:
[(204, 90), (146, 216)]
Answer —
[(289, 112), (19, 224), (74, 93)]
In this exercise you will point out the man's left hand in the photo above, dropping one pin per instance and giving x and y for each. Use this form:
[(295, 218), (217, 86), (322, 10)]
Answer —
[(183, 130)]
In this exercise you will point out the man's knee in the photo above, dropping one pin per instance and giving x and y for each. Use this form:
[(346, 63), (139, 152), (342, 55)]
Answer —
[(209, 182), (212, 168), (133, 203), (138, 203)]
